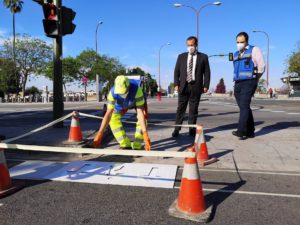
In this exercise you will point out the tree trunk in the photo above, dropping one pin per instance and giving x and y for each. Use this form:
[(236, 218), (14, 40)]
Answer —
[(24, 84), (67, 95), (85, 95)]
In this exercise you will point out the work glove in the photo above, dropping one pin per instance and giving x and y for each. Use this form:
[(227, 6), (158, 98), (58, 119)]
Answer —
[(98, 139), (145, 115), (147, 141)]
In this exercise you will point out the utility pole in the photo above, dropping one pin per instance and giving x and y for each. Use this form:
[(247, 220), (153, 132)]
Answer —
[(57, 23), (58, 103)]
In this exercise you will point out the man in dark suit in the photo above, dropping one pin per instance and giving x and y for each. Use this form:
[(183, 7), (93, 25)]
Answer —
[(191, 79)]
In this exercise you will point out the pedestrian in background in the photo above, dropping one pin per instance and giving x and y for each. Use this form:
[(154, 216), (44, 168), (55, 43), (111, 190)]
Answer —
[(191, 79), (271, 92), (249, 66)]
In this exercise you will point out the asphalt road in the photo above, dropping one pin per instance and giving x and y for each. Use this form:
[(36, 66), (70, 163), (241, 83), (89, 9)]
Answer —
[(237, 196)]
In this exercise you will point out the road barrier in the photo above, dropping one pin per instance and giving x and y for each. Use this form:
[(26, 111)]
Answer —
[(98, 151), (39, 129), (148, 123)]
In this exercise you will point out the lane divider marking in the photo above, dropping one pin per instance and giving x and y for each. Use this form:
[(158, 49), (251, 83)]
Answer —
[(248, 192), (249, 172)]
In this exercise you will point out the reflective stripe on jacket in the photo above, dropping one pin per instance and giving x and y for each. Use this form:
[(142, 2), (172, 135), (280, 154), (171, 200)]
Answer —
[(135, 98)]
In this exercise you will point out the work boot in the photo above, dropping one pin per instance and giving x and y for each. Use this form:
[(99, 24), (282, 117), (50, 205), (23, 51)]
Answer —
[(175, 133), (239, 135), (136, 145), (2, 137), (192, 132), (125, 147)]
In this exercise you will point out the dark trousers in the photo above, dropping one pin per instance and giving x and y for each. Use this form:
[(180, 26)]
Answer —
[(243, 92), (189, 95)]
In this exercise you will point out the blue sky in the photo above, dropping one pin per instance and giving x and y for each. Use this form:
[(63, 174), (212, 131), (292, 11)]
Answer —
[(133, 31)]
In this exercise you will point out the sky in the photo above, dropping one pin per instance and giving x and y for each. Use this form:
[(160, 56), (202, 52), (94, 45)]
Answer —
[(134, 30)]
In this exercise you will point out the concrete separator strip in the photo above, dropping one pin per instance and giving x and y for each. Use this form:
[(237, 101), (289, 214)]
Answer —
[(99, 151), (249, 192), (250, 172)]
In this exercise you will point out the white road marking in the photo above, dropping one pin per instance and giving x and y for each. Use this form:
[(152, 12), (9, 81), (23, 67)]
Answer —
[(79, 107), (249, 172), (253, 108), (1, 204), (278, 111), (249, 193)]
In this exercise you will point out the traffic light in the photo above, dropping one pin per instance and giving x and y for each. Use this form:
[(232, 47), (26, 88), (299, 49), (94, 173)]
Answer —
[(51, 25), (230, 56), (68, 16), (58, 21)]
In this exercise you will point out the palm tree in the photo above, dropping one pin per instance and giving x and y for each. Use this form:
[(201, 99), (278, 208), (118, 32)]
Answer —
[(15, 6)]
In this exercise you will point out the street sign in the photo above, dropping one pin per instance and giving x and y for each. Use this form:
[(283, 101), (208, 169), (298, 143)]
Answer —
[(84, 80)]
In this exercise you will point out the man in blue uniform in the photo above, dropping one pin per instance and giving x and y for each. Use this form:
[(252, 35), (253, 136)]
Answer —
[(248, 68)]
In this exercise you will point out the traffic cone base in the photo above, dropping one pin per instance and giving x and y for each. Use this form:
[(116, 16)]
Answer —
[(198, 217), (14, 188), (207, 162), (6, 185), (201, 148)]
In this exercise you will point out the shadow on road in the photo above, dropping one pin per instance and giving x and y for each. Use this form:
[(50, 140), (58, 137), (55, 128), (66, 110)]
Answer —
[(221, 153), (276, 127), (214, 199), (183, 140), (231, 126)]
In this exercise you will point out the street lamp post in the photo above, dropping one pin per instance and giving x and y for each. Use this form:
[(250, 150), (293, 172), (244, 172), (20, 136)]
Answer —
[(99, 95), (159, 87), (197, 12), (268, 53)]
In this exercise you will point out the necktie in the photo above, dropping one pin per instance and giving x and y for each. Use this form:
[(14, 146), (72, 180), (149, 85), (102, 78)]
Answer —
[(189, 77)]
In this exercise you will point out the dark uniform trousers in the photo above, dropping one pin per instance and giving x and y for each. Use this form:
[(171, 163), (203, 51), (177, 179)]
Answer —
[(243, 92), (189, 95)]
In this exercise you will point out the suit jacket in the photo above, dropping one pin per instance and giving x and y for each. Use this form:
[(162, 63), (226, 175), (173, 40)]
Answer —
[(202, 72)]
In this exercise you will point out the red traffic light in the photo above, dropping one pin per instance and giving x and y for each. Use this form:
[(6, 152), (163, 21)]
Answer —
[(50, 11)]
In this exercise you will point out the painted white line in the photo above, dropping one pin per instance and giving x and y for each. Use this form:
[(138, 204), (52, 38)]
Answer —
[(277, 111), (79, 107), (249, 193), (250, 172), (294, 113), (265, 110)]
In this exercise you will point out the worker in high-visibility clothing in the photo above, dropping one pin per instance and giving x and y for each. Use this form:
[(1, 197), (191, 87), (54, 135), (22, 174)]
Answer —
[(125, 94)]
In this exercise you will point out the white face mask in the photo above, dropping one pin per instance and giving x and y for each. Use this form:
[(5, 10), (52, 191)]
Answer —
[(240, 46), (191, 49)]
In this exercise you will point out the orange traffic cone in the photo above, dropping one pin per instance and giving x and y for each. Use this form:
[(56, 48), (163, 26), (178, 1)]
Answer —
[(201, 148), (6, 185), (190, 203), (75, 134)]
